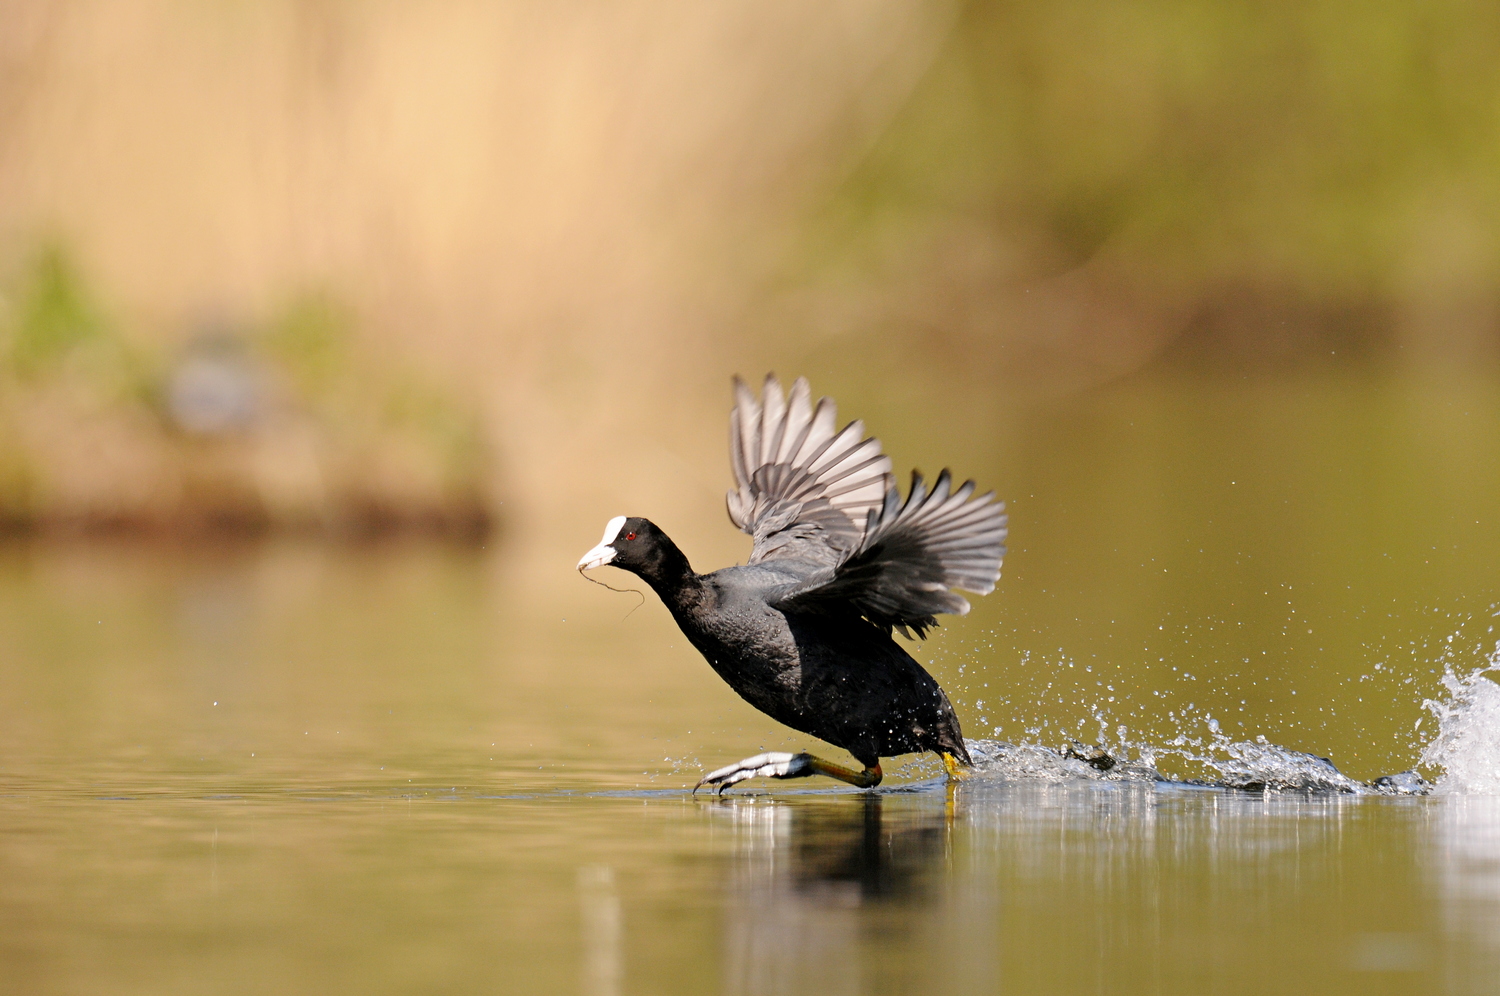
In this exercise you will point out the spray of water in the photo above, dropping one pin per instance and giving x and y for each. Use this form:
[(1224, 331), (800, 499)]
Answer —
[(1465, 751), (1467, 744)]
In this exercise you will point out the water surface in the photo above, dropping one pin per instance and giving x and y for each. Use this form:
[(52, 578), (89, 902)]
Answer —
[(292, 767)]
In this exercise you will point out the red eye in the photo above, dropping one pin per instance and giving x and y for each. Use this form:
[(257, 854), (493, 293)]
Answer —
[(630, 536)]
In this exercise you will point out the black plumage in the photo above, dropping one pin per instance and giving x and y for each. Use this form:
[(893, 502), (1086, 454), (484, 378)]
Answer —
[(840, 559)]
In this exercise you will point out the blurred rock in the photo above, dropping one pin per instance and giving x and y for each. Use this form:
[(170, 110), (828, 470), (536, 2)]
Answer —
[(215, 389)]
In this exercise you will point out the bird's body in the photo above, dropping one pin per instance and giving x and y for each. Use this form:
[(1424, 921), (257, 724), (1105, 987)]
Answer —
[(803, 632), (832, 675)]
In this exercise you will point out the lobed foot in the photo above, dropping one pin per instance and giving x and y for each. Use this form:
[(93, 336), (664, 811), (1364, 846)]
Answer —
[(774, 765), (783, 765)]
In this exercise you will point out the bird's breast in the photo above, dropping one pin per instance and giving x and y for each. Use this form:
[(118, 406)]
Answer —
[(746, 641)]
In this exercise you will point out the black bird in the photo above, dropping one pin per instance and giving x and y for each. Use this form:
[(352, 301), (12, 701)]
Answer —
[(803, 631)]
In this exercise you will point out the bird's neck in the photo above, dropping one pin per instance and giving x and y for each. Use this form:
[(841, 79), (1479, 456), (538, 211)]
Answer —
[(667, 571)]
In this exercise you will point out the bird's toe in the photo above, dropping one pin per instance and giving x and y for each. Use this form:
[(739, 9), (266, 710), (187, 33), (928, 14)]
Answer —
[(777, 764)]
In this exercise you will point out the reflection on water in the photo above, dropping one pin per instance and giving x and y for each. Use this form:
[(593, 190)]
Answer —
[(1026, 886), (803, 879), (602, 952), (1464, 855)]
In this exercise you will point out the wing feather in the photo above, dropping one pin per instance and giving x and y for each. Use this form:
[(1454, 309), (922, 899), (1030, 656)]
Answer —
[(912, 554), (809, 491), (803, 489)]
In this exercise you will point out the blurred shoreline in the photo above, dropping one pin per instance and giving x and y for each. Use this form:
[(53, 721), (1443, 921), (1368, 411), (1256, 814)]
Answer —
[(324, 267)]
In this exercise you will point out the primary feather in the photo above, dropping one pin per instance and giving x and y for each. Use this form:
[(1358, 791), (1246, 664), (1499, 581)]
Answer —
[(827, 498), (912, 555), (805, 490)]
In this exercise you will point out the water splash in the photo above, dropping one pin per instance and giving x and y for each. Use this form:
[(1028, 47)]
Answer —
[(1467, 746), (1260, 766), (1465, 750), (997, 759)]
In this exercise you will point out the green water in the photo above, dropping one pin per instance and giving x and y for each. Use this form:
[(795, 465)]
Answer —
[(293, 767)]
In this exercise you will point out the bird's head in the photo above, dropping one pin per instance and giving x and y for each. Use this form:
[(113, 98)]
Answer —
[(631, 543)]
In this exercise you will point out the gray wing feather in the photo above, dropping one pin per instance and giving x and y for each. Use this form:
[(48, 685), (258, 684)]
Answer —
[(803, 489), (912, 554)]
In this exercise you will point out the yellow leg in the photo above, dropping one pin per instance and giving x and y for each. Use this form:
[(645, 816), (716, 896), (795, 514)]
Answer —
[(955, 775), (868, 778)]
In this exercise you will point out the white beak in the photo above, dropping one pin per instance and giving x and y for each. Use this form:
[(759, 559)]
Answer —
[(603, 553), (597, 557)]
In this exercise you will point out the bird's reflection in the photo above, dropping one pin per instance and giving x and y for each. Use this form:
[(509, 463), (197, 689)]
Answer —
[(862, 851), (811, 880)]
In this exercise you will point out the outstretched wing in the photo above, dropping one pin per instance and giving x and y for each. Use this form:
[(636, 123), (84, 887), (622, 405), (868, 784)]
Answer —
[(805, 490), (912, 555)]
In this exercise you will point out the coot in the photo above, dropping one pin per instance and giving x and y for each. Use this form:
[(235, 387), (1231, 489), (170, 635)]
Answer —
[(803, 631)]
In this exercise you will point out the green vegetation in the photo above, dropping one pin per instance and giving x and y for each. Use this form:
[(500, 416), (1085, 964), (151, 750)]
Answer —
[(293, 424), (1323, 164), (310, 339), (54, 315)]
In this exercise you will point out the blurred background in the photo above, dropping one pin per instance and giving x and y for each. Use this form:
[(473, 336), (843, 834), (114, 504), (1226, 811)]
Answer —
[(332, 332), (1209, 292)]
